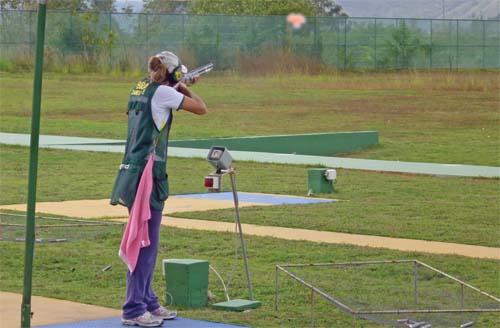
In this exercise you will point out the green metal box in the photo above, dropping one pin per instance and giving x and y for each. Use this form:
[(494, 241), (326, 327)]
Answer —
[(187, 282), (317, 182)]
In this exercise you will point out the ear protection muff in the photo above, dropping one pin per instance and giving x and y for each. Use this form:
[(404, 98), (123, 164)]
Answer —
[(176, 74)]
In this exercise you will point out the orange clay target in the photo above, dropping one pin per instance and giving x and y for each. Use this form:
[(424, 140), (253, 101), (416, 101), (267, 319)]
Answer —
[(296, 20)]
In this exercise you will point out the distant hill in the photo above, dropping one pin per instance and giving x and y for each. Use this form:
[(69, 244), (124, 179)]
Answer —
[(463, 9)]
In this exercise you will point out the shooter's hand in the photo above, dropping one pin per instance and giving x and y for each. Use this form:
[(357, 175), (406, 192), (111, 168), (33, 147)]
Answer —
[(194, 80), (182, 88)]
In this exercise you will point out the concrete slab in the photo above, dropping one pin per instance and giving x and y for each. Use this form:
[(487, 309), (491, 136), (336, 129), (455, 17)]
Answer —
[(44, 314), (109, 145), (99, 208), (76, 315)]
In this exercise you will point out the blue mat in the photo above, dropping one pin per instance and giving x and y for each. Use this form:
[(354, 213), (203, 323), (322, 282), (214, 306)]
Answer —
[(244, 197), (116, 323)]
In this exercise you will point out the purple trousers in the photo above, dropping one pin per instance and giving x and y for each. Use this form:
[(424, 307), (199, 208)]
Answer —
[(140, 296)]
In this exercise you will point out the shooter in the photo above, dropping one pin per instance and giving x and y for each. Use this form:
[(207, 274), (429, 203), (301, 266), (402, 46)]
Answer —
[(142, 181)]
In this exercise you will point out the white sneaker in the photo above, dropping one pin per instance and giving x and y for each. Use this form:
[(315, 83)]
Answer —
[(164, 313), (145, 320)]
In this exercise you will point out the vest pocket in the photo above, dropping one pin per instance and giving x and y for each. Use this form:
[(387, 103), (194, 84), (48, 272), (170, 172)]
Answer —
[(126, 183), (160, 190), (160, 185)]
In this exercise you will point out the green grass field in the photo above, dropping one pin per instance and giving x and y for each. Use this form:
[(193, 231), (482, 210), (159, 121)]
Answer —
[(73, 271), (461, 210), (434, 117), (423, 117)]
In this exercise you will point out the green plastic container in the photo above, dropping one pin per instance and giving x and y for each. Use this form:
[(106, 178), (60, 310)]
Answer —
[(187, 282), (317, 183)]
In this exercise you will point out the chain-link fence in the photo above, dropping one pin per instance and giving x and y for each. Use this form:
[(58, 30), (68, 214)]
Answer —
[(122, 41)]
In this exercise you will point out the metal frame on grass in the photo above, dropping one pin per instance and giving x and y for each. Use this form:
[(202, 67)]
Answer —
[(360, 313)]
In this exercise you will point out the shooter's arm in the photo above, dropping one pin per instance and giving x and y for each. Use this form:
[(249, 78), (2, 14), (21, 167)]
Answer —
[(192, 102)]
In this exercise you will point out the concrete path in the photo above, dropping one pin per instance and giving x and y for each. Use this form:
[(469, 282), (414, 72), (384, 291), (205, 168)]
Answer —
[(399, 244), (117, 146), (48, 311), (101, 208)]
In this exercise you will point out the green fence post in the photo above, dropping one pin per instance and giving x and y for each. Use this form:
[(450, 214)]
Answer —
[(337, 42), (35, 131), (217, 40), (147, 35), (431, 46), (483, 64), (456, 47), (110, 32), (285, 35), (450, 60), (345, 44), (71, 24), (30, 38), (183, 36), (315, 40), (375, 66)]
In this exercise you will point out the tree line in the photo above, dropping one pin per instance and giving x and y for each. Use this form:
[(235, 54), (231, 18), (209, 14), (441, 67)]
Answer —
[(227, 7)]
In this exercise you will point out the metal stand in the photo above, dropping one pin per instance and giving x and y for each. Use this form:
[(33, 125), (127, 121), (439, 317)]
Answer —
[(239, 304), (240, 231)]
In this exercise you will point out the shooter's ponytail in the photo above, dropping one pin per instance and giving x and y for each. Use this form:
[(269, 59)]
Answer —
[(157, 71)]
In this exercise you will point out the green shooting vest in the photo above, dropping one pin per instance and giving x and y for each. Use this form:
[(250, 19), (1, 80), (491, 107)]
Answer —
[(143, 139)]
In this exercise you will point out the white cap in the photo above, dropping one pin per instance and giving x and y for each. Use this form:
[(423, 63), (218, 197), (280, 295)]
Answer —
[(171, 61)]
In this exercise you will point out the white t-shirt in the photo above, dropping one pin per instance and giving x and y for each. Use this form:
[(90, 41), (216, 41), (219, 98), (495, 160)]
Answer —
[(164, 100)]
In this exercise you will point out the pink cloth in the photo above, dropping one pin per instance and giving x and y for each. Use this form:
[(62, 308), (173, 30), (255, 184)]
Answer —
[(136, 233)]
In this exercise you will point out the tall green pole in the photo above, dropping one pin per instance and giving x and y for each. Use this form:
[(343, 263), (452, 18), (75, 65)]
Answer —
[(35, 132)]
